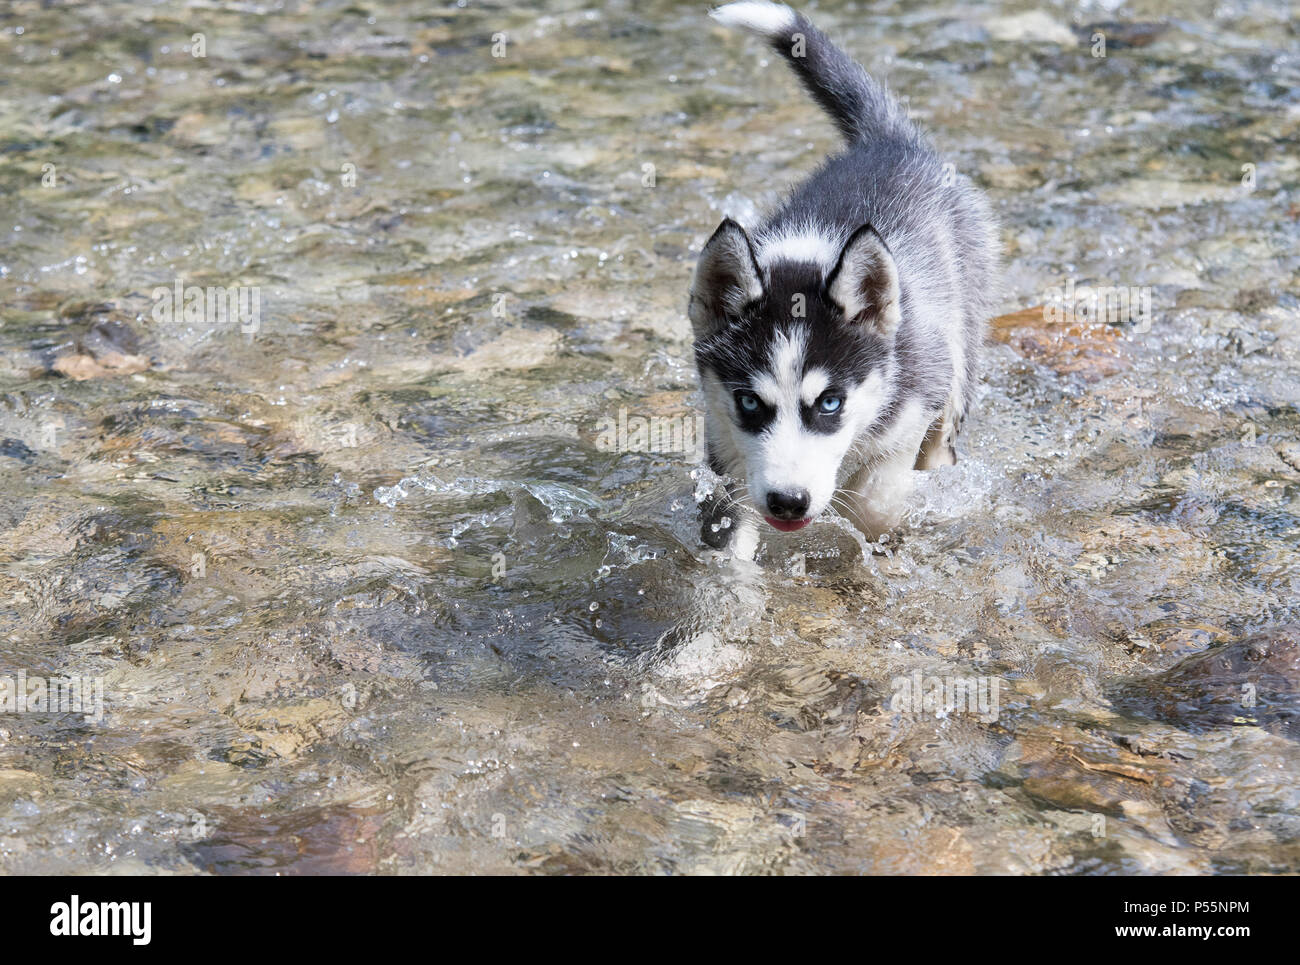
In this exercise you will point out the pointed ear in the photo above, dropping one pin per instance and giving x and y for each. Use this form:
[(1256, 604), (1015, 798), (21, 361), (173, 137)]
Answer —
[(726, 279), (864, 284)]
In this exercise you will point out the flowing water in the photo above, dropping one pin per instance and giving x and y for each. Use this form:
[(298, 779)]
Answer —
[(382, 566)]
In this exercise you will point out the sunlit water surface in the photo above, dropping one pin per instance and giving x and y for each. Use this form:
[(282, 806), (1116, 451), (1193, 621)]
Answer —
[(367, 589)]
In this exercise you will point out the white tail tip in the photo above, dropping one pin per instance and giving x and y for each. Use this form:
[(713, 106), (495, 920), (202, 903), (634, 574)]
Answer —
[(761, 16)]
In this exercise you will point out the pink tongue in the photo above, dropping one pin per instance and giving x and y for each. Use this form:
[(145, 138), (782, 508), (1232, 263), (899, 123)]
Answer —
[(787, 525)]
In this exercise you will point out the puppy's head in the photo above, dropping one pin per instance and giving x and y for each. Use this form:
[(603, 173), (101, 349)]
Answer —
[(794, 363)]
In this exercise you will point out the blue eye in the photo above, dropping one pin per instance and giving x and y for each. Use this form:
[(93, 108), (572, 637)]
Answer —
[(748, 401), (830, 404)]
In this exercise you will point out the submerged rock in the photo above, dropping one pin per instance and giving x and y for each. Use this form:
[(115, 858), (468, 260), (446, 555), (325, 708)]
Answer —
[(1089, 349), (110, 347), (1033, 26), (1253, 681), (1121, 35)]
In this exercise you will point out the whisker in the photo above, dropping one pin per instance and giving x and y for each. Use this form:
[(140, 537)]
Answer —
[(731, 498)]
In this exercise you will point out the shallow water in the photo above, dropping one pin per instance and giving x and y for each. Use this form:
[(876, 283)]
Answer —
[(370, 587)]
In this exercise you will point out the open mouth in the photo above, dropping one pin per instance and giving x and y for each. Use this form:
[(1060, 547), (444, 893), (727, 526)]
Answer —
[(788, 525)]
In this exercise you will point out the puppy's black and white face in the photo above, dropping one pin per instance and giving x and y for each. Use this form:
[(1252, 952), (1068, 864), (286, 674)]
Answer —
[(795, 363)]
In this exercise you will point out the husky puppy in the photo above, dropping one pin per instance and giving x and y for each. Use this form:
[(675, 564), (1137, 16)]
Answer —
[(838, 344)]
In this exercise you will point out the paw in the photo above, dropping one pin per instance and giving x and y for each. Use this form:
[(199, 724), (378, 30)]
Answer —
[(718, 524)]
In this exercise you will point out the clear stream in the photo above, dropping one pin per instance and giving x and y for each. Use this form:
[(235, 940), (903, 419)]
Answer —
[(370, 583)]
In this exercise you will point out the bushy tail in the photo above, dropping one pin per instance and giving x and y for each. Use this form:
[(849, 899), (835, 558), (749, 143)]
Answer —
[(860, 107)]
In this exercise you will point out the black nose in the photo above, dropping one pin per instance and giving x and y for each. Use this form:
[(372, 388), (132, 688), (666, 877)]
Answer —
[(790, 505)]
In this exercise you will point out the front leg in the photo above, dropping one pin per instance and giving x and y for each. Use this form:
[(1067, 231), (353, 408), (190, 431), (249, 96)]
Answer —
[(877, 494), (939, 446), (726, 524)]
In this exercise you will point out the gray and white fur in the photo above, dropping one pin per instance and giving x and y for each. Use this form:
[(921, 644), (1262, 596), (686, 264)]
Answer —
[(838, 344)]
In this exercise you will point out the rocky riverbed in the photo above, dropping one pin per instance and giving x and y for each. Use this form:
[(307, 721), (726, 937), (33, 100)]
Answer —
[(347, 444)]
